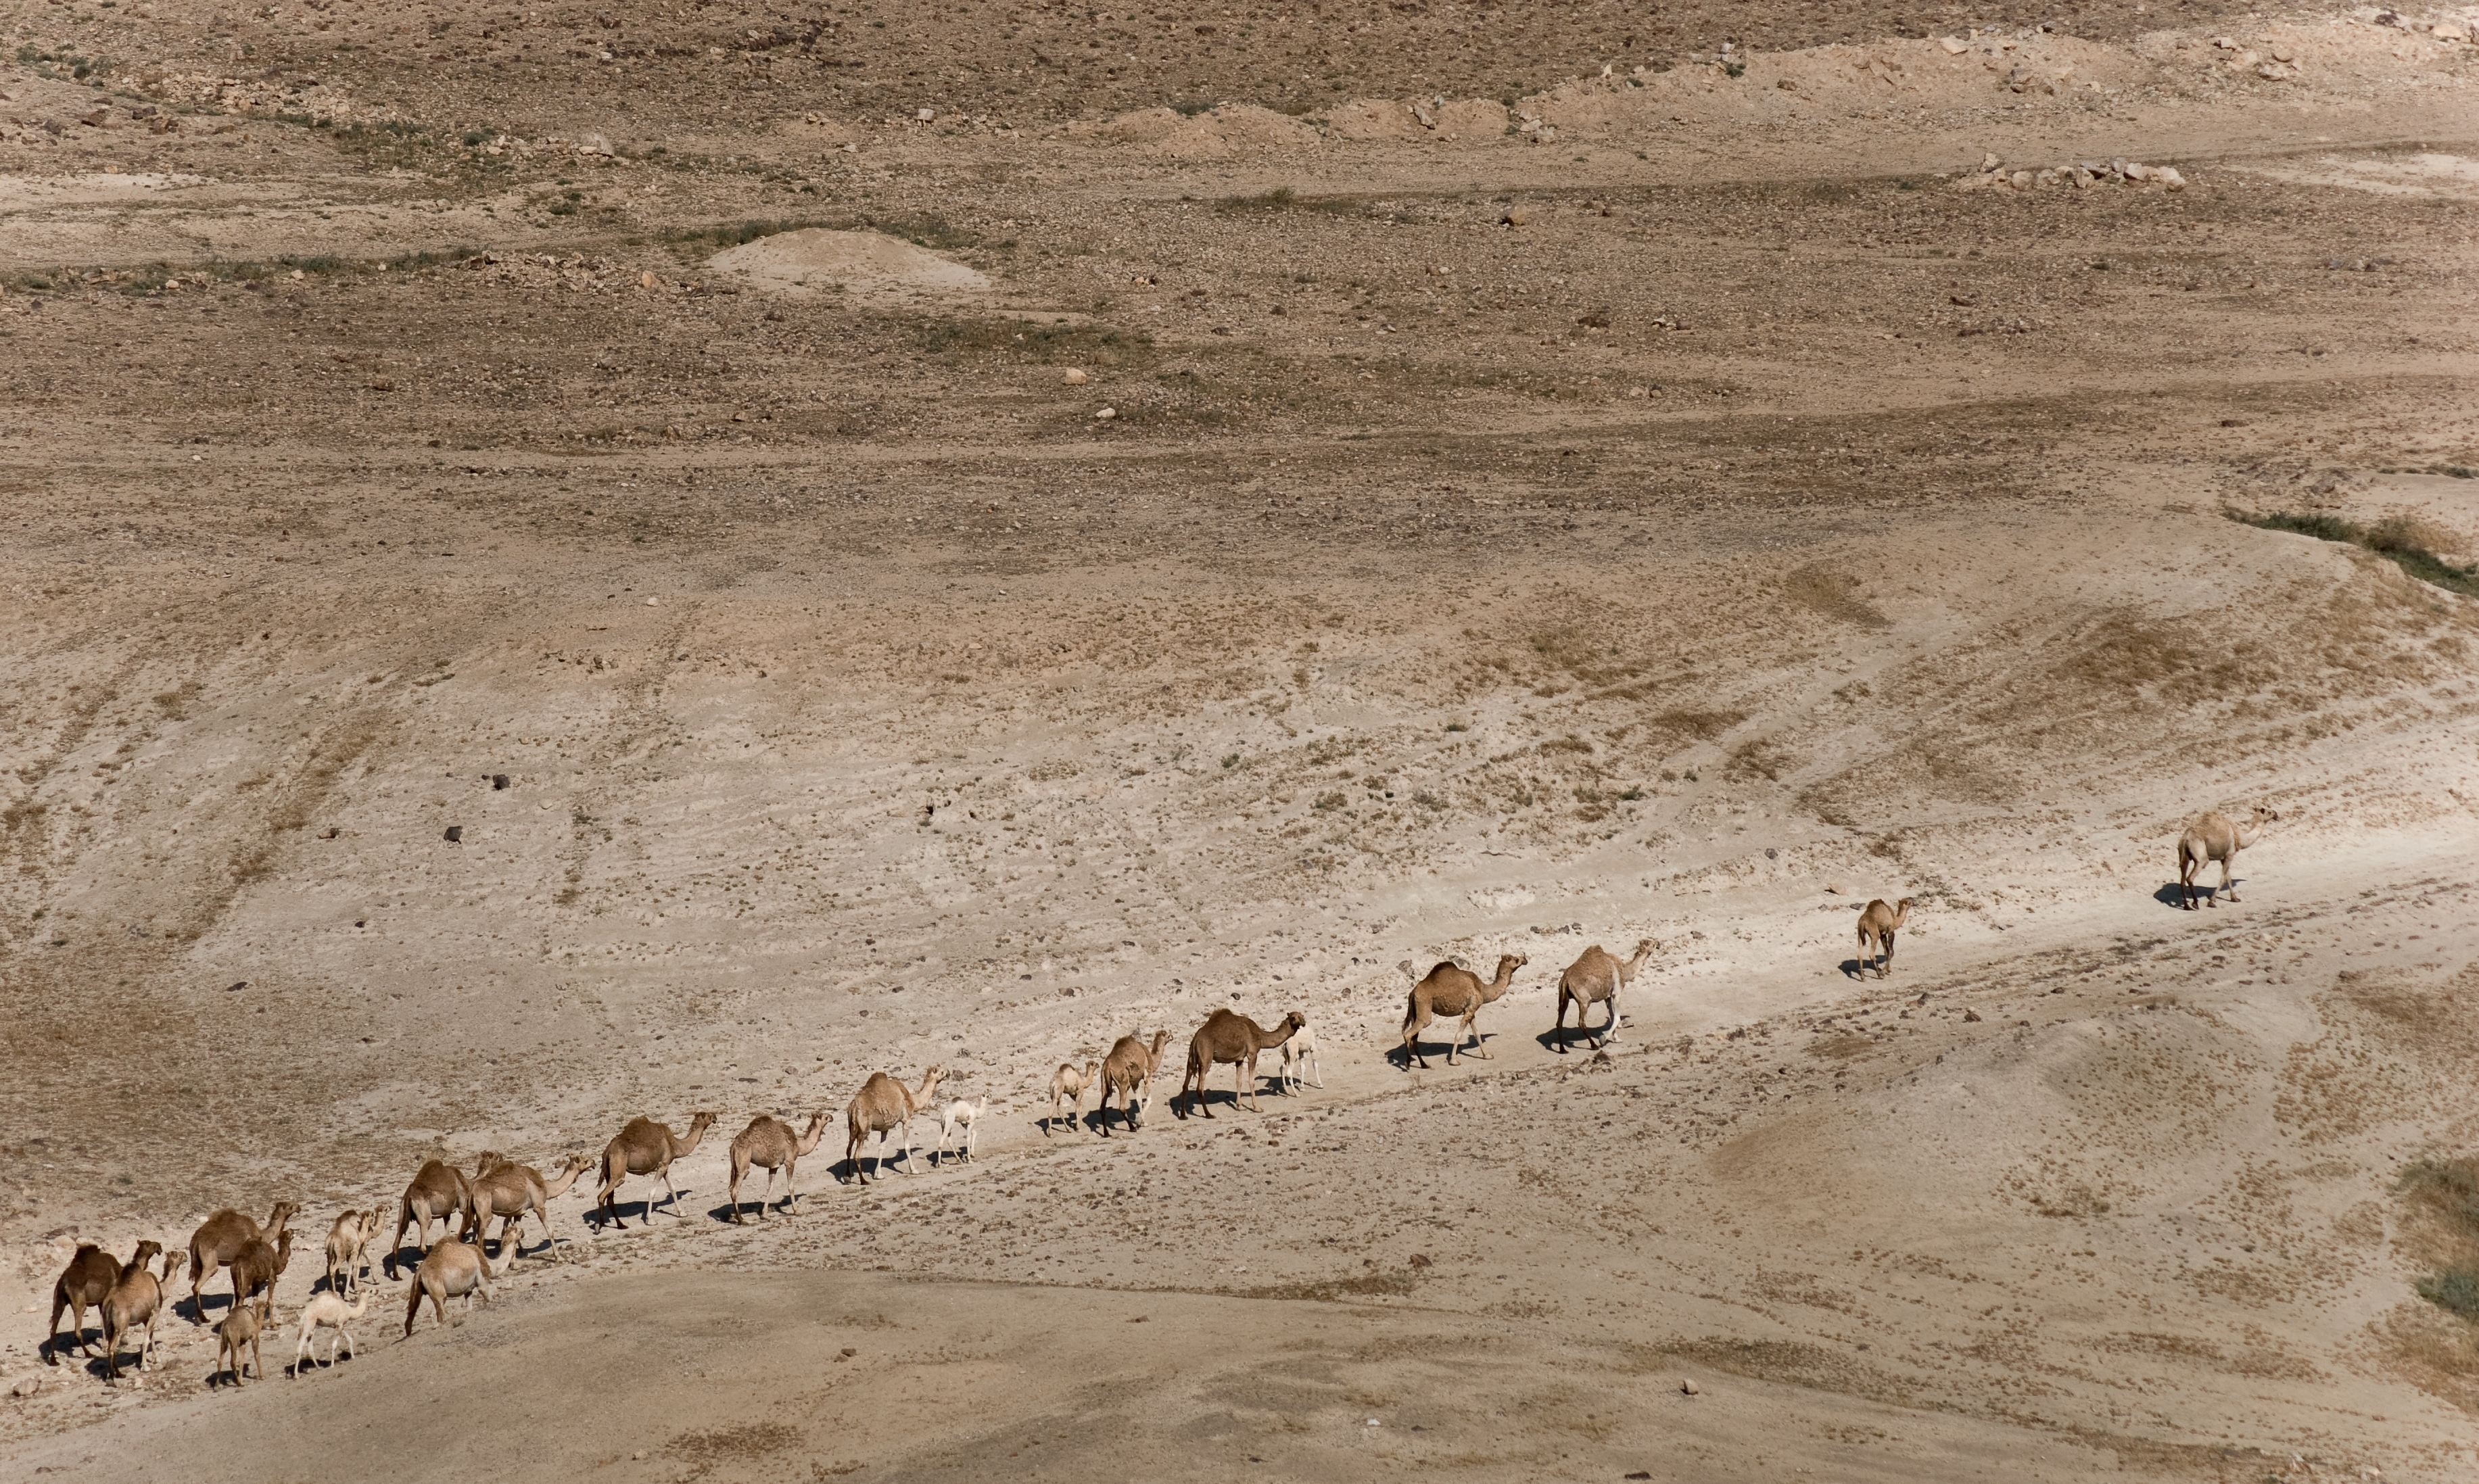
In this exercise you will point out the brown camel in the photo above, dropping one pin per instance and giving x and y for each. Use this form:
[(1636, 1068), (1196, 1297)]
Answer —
[(135, 1299), (1227, 1035), (884, 1105), (256, 1267), (238, 1330), (1877, 927), (453, 1269), (646, 1147), (220, 1239), (439, 1192), (348, 1248), (769, 1144), (1070, 1084), (1596, 976), (1128, 1075), (507, 1190), (1448, 990), (86, 1281), (2211, 837)]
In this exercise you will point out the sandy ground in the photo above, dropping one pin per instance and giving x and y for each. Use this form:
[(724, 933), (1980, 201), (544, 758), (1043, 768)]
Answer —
[(869, 592)]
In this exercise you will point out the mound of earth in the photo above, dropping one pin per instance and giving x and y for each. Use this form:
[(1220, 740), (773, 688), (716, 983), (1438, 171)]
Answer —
[(816, 259)]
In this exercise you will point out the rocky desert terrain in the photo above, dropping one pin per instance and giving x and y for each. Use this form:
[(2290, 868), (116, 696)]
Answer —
[(571, 562)]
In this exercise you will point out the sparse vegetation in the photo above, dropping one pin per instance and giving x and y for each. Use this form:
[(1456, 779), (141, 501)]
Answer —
[(2409, 543)]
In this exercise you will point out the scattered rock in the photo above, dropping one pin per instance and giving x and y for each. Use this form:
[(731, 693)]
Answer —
[(2444, 31), (455, 834), (594, 144), (1955, 46), (27, 1386), (1075, 376), (1106, 414), (1689, 1388), (1515, 217), (1971, 1014), (653, 602), (925, 115), (499, 780)]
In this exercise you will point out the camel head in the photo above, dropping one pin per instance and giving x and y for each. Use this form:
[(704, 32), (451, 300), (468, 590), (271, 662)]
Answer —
[(699, 1122), (928, 1084), (488, 1161), (145, 1253), (1508, 963), (1292, 1023), (283, 1212)]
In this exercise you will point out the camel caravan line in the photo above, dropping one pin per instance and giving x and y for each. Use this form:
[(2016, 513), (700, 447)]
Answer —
[(131, 1296)]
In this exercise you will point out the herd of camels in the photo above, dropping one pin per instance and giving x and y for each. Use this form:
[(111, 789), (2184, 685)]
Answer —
[(130, 1296)]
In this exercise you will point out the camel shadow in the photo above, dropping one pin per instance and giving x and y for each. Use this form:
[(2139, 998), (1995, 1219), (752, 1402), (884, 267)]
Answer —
[(596, 1218), (1854, 968), (2174, 895), (1402, 1056)]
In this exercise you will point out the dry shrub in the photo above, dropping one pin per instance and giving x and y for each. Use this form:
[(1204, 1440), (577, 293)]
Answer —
[(749, 1440), (1702, 726), (1834, 595), (2438, 1348)]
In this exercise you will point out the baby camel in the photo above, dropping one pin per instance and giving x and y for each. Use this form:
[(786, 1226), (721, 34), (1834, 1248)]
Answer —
[(239, 1331), (963, 1116), (438, 1191), (1300, 1050), (348, 1248), (220, 1239), (883, 1105), (86, 1281), (2210, 837), (1596, 975), (770, 1144), (507, 1190), (1128, 1076), (1450, 990), (646, 1147), (1070, 1084), (326, 1311), (1227, 1035), (135, 1299), (455, 1268), (1877, 926)]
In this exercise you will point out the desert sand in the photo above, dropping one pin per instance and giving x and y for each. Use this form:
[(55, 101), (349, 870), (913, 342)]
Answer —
[(569, 564)]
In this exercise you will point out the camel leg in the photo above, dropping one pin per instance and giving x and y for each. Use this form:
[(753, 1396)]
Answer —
[(2229, 883), (1471, 1028), (672, 1191), (1885, 963), (1609, 1032), (910, 1159)]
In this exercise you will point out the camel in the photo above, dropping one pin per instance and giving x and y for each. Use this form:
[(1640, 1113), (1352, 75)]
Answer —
[(1449, 991), (646, 1147), (86, 1281), (1301, 1050), (137, 1299), (256, 1267), (964, 1116), (2210, 837), (326, 1311), (220, 1239), (1128, 1076), (240, 1328), (1070, 1084), (348, 1248), (453, 1269), (1597, 975), (883, 1105), (438, 1191), (507, 1190), (770, 1144), (1877, 927), (1227, 1035)]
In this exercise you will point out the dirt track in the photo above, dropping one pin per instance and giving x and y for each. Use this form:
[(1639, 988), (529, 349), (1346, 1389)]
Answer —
[(1670, 505)]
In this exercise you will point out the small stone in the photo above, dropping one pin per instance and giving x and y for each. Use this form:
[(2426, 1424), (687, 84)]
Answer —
[(499, 780), (644, 280), (925, 114), (2022, 180), (1971, 1014), (455, 834), (1988, 162), (1106, 414), (1689, 1388), (27, 1386), (1515, 217), (1786, 84), (2225, 43), (653, 602), (2445, 31), (1075, 376), (2283, 53), (594, 144), (1955, 46)]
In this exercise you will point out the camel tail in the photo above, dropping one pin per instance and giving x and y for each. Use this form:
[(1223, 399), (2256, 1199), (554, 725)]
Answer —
[(413, 1307)]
